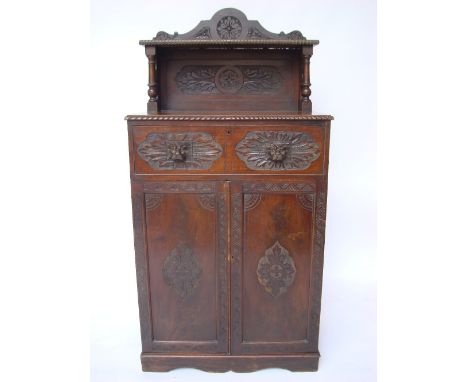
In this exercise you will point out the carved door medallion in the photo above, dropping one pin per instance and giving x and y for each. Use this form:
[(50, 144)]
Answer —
[(182, 271), (168, 151), (277, 150), (276, 270)]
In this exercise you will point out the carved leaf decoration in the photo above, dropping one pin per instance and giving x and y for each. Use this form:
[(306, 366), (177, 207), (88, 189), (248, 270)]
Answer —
[(276, 270), (182, 271), (190, 151), (277, 150), (261, 79), (196, 79), (207, 201), (239, 79)]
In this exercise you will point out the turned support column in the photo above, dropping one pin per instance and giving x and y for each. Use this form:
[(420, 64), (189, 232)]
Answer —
[(306, 104), (152, 86)]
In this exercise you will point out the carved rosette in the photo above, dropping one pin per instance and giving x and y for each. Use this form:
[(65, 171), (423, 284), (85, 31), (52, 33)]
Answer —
[(276, 270), (229, 79), (277, 150), (182, 271), (239, 79), (189, 151), (229, 28)]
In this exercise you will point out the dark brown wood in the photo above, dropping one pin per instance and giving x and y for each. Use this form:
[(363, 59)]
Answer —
[(220, 80), (221, 147), (306, 104), (153, 106), (229, 183), (229, 26), (237, 363), (271, 266)]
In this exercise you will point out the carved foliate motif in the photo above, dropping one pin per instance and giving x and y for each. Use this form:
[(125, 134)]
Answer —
[(153, 201), (307, 201), (203, 34), (168, 151), (179, 187), (182, 271), (236, 250), (255, 34), (294, 35), (276, 270), (251, 201), (239, 79), (277, 187), (277, 150), (207, 201)]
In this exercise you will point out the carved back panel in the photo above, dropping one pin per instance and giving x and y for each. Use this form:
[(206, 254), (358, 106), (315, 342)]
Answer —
[(216, 79)]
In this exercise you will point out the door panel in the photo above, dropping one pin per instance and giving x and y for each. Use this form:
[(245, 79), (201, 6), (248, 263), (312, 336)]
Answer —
[(272, 260), (186, 231)]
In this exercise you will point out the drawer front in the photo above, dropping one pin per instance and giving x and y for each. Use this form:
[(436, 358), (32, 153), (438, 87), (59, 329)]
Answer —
[(229, 149), (279, 149), (169, 149)]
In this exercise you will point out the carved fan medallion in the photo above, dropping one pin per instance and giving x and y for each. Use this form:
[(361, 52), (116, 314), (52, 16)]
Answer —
[(182, 271), (277, 150), (276, 270), (168, 151)]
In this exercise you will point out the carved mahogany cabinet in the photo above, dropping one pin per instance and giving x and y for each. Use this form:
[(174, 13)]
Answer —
[(229, 184)]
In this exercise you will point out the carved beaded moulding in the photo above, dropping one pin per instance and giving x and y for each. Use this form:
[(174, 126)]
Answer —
[(275, 117), (168, 151), (277, 150), (276, 270)]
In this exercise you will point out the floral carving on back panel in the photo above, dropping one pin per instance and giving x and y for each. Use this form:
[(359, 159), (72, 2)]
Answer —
[(276, 270), (238, 79), (277, 150)]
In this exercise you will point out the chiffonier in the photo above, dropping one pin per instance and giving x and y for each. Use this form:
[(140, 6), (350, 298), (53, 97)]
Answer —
[(229, 187)]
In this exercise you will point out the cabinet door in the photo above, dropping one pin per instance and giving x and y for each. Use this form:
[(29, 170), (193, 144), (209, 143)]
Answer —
[(277, 258), (181, 251)]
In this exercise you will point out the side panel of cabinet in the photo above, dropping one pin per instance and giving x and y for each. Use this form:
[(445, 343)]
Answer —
[(181, 259), (277, 260)]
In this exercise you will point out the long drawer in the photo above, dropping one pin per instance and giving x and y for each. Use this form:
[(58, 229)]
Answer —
[(228, 149)]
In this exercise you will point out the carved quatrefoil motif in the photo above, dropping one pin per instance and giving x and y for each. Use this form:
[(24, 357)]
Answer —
[(276, 270), (277, 150), (182, 271), (168, 151)]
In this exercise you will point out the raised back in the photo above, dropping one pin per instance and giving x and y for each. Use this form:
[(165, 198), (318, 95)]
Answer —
[(229, 26), (228, 64)]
